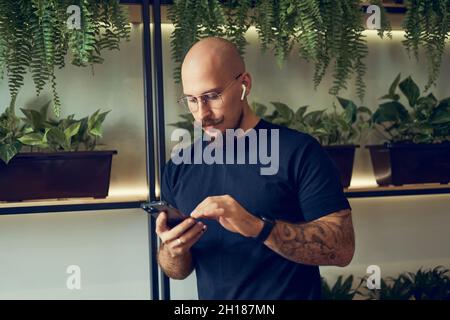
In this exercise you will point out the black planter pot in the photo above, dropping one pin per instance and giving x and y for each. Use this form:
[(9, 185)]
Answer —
[(408, 163), (343, 156), (56, 175)]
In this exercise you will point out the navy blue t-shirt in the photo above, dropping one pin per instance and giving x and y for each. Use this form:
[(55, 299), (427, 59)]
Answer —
[(230, 266)]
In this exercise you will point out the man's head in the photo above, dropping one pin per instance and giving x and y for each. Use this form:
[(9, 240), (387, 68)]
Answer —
[(213, 65)]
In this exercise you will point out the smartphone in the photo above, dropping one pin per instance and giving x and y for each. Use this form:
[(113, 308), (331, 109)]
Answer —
[(174, 216)]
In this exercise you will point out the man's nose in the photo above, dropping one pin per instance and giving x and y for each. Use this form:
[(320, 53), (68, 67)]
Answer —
[(203, 109)]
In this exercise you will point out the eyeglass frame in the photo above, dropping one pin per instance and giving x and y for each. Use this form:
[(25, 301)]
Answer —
[(185, 103)]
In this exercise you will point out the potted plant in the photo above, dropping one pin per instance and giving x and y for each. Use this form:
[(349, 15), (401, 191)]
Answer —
[(417, 149), (60, 161), (424, 284), (428, 284), (337, 132)]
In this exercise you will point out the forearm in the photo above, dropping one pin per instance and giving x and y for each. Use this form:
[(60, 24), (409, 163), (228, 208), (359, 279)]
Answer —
[(175, 267), (318, 242)]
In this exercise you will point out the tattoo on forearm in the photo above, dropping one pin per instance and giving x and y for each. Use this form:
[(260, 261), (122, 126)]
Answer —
[(320, 242)]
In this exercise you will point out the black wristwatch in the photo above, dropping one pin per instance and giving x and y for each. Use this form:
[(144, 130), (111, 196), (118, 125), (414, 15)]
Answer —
[(266, 230)]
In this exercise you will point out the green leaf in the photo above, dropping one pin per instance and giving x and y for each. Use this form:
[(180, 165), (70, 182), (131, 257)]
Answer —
[(72, 130), (285, 113), (300, 113), (44, 110), (390, 111), (56, 138), (8, 151), (28, 130), (313, 117), (34, 118), (83, 127), (350, 109), (392, 95), (95, 126), (441, 114), (259, 109), (410, 90), (444, 104), (32, 139)]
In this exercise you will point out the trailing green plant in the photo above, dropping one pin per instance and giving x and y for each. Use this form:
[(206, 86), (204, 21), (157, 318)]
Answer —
[(11, 130), (325, 32), (35, 37), (329, 128), (342, 44), (341, 290), (427, 24), (39, 131), (425, 120)]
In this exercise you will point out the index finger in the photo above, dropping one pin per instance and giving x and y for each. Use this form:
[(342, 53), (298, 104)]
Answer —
[(179, 229), (210, 214)]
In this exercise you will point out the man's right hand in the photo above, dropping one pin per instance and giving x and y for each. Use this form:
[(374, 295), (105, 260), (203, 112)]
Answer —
[(179, 240)]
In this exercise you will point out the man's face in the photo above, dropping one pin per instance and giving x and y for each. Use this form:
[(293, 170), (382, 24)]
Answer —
[(222, 113)]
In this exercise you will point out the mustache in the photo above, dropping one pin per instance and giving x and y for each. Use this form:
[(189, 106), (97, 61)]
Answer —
[(211, 122)]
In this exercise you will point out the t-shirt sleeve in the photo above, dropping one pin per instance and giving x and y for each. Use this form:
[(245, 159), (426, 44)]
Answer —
[(320, 191), (166, 185)]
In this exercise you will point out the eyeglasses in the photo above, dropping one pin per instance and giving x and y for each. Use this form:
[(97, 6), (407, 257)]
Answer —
[(212, 99)]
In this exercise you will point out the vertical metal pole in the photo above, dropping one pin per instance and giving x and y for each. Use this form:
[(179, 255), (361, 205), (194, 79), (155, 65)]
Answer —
[(159, 87), (149, 131)]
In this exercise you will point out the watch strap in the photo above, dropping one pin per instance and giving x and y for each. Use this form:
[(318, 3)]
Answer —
[(266, 230)]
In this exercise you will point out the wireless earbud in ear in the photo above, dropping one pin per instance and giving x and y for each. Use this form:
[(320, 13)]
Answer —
[(244, 89)]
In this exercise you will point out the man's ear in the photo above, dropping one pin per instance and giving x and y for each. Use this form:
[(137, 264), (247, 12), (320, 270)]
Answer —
[(247, 82)]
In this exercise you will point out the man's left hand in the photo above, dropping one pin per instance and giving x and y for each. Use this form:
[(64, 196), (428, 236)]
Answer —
[(230, 214)]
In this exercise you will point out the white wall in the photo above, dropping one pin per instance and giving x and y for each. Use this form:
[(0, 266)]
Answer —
[(110, 247), (396, 233)]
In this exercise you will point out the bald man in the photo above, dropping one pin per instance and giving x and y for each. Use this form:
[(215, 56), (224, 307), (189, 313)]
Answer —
[(250, 236)]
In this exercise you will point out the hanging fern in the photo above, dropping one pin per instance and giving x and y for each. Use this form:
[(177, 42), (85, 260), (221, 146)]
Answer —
[(16, 46), (263, 19), (197, 19), (348, 47), (185, 17), (427, 25), (237, 22), (324, 31), (35, 38), (309, 21), (385, 24), (276, 22)]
